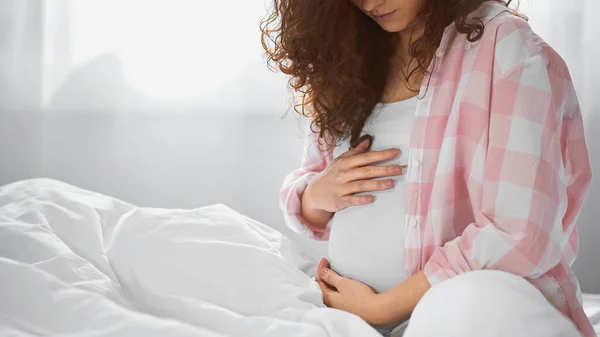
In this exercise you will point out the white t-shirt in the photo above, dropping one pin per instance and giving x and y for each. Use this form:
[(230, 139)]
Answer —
[(367, 242)]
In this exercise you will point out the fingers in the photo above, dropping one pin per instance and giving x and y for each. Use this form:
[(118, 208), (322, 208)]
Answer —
[(322, 264), (369, 172), (363, 146), (326, 279), (330, 277), (367, 158), (353, 200), (328, 294), (368, 186), (349, 191), (363, 138)]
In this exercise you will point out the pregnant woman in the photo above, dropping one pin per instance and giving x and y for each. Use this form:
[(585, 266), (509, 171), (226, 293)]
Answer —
[(445, 162)]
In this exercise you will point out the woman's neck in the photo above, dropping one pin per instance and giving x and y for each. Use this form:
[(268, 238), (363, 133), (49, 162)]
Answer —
[(401, 65), (406, 37)]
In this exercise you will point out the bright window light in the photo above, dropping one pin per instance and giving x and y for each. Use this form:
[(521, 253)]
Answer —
[(170, 48)]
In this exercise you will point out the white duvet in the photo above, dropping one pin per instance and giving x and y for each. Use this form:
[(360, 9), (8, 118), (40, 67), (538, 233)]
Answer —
[(77, 263)]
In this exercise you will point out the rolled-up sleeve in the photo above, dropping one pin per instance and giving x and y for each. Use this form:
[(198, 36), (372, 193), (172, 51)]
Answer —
[(537, 173), (314, 161)]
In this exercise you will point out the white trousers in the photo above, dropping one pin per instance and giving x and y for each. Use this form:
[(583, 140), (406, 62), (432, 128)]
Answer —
[(486, 304)]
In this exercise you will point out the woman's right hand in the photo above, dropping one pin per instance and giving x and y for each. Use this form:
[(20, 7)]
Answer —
[(352, 172)]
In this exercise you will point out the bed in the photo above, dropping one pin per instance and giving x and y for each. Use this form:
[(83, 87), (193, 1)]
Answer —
[(75, 262)]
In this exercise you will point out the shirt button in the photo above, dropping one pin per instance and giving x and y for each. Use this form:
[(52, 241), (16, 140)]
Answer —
[(415, 163), (413, 222)]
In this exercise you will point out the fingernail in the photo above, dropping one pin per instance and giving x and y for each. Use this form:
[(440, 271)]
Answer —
[(323, 271)]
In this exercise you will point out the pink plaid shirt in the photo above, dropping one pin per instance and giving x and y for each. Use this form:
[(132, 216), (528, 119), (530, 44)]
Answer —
[(498, 165)]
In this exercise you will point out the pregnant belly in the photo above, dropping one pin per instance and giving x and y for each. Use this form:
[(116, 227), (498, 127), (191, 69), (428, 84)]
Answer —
[(366, 243)]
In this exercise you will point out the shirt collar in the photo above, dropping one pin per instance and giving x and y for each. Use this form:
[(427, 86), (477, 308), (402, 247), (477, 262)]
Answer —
[(486, 12)]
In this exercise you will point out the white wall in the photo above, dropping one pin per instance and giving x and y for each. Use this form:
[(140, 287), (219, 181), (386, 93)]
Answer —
[(160, 160)]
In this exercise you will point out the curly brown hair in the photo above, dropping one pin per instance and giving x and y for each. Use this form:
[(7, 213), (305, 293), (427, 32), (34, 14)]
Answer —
[(338, 58)]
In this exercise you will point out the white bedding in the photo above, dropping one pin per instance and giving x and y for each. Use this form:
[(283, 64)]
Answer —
[(591, 306), (74, 262)]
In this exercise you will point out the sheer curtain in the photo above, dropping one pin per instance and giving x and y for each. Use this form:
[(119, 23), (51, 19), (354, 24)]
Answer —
[(136, 55), (111, 57)]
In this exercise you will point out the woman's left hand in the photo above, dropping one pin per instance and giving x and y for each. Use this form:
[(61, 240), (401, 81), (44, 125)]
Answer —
[(349, 295)]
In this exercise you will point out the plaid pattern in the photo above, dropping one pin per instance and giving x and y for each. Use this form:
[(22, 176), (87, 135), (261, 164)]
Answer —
[(498, 166)]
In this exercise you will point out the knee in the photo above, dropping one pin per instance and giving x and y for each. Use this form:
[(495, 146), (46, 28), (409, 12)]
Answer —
[(471, 303), (473, 289), (482, 292)]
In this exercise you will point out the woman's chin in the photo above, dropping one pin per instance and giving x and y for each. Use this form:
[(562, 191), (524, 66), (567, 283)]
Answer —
[(392, 27)]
